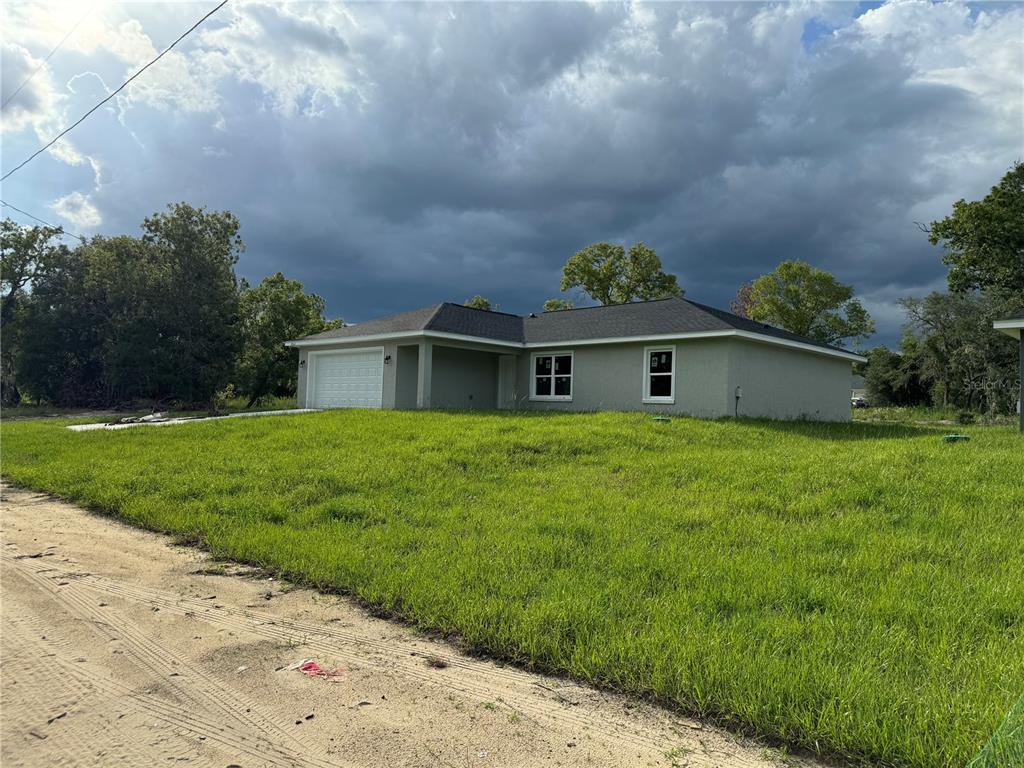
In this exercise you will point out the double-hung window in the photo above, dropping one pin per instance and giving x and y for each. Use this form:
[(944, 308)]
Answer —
[(551, 377), (659, 374)]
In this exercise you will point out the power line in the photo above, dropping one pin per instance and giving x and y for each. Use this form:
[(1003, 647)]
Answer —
[(41, 221), (43, 62), (120, 88)]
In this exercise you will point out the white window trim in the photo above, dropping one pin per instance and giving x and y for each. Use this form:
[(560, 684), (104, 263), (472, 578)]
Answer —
[(646, 383), (533, 376)]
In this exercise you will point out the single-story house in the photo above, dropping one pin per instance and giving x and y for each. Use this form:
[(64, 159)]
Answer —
[(1014, 326), (671, 355)]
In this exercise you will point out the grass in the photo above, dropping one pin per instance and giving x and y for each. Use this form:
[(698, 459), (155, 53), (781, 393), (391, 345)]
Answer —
[(926, 415), (853, 589), (234, 405)]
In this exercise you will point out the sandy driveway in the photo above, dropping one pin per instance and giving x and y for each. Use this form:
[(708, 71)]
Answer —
[(119, 648)]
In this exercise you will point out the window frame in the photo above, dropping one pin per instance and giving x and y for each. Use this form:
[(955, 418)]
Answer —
[(646, 383), (533, 376)]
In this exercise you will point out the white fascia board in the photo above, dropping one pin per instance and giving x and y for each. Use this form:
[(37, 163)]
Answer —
[(1010, 327), (663, 337), (704, 335), (628, 339), (473, 339), (332, 341), (327, 342), (851, 356)]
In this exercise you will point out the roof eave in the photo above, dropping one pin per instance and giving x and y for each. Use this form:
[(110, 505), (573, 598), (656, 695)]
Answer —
[(733, 333), (396, 335), (1011, 326)]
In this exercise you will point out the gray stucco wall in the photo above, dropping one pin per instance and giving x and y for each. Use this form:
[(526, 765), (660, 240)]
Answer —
[(781, 383), (777, 382), (464, 379), (300, 389), (610, 377)]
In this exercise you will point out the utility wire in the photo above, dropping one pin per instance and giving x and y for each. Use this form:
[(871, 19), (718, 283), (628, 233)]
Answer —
[(120, 88), (41, 221), (43, 62)]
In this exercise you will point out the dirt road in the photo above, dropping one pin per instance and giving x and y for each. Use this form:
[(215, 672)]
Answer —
[(119, 648)]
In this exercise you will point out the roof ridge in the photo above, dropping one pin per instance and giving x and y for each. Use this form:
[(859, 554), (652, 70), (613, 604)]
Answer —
[(728, 317), (433, 315), (717, 312), (616, 304), (479, 309)]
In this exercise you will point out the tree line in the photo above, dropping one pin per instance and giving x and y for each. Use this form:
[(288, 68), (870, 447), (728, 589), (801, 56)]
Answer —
[(162, 317), (949, 353)]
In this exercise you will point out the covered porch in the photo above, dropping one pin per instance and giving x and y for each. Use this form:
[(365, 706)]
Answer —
[(452, 376)]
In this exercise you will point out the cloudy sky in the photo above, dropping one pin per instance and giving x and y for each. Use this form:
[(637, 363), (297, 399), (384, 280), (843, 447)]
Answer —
[(391, 156)]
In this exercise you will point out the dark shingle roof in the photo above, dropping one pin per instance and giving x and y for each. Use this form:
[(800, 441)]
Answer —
[(455, 318), (404, 321), (642, 318), (1015, 316), (647, 318), (752, 326), (444, 318), (614, 321)]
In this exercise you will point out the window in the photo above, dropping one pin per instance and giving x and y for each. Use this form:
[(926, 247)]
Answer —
[(659, 374), (552, 377)]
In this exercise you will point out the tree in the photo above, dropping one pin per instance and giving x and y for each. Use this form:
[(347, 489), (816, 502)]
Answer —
[(741, 304), (197, 251), (26, 255), (611, 275), (276, 310), (107, 327), (479, 302), (61, 361), (557, 305), (809, 302), (133, 300), (892, 378), (963, 360), (983, 240)]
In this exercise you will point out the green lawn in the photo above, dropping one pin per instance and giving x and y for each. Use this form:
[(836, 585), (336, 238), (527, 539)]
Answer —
[(856, 589)]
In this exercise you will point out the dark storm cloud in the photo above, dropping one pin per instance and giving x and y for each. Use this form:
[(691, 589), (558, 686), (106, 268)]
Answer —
[(393, 156)]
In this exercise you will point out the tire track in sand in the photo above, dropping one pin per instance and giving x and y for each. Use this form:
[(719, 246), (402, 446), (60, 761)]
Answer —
[(474, 678), (241, 725)]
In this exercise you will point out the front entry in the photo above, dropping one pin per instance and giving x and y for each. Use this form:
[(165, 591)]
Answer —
[(506, 382)]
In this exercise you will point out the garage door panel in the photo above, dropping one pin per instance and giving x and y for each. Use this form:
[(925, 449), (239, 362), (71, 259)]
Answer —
[(351, 379)]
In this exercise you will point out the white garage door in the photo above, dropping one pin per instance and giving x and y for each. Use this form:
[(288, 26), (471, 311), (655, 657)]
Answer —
[(352, 379)]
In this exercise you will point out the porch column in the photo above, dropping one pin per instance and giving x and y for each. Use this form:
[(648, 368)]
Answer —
[(423, 374), (1014, 326)]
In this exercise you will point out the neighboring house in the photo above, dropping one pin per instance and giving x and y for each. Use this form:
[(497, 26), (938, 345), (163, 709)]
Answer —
[(1014, 326), (670, 355), (858, 388)]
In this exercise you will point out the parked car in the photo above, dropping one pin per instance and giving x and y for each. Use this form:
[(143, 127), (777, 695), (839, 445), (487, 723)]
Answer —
[(858, 402)]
